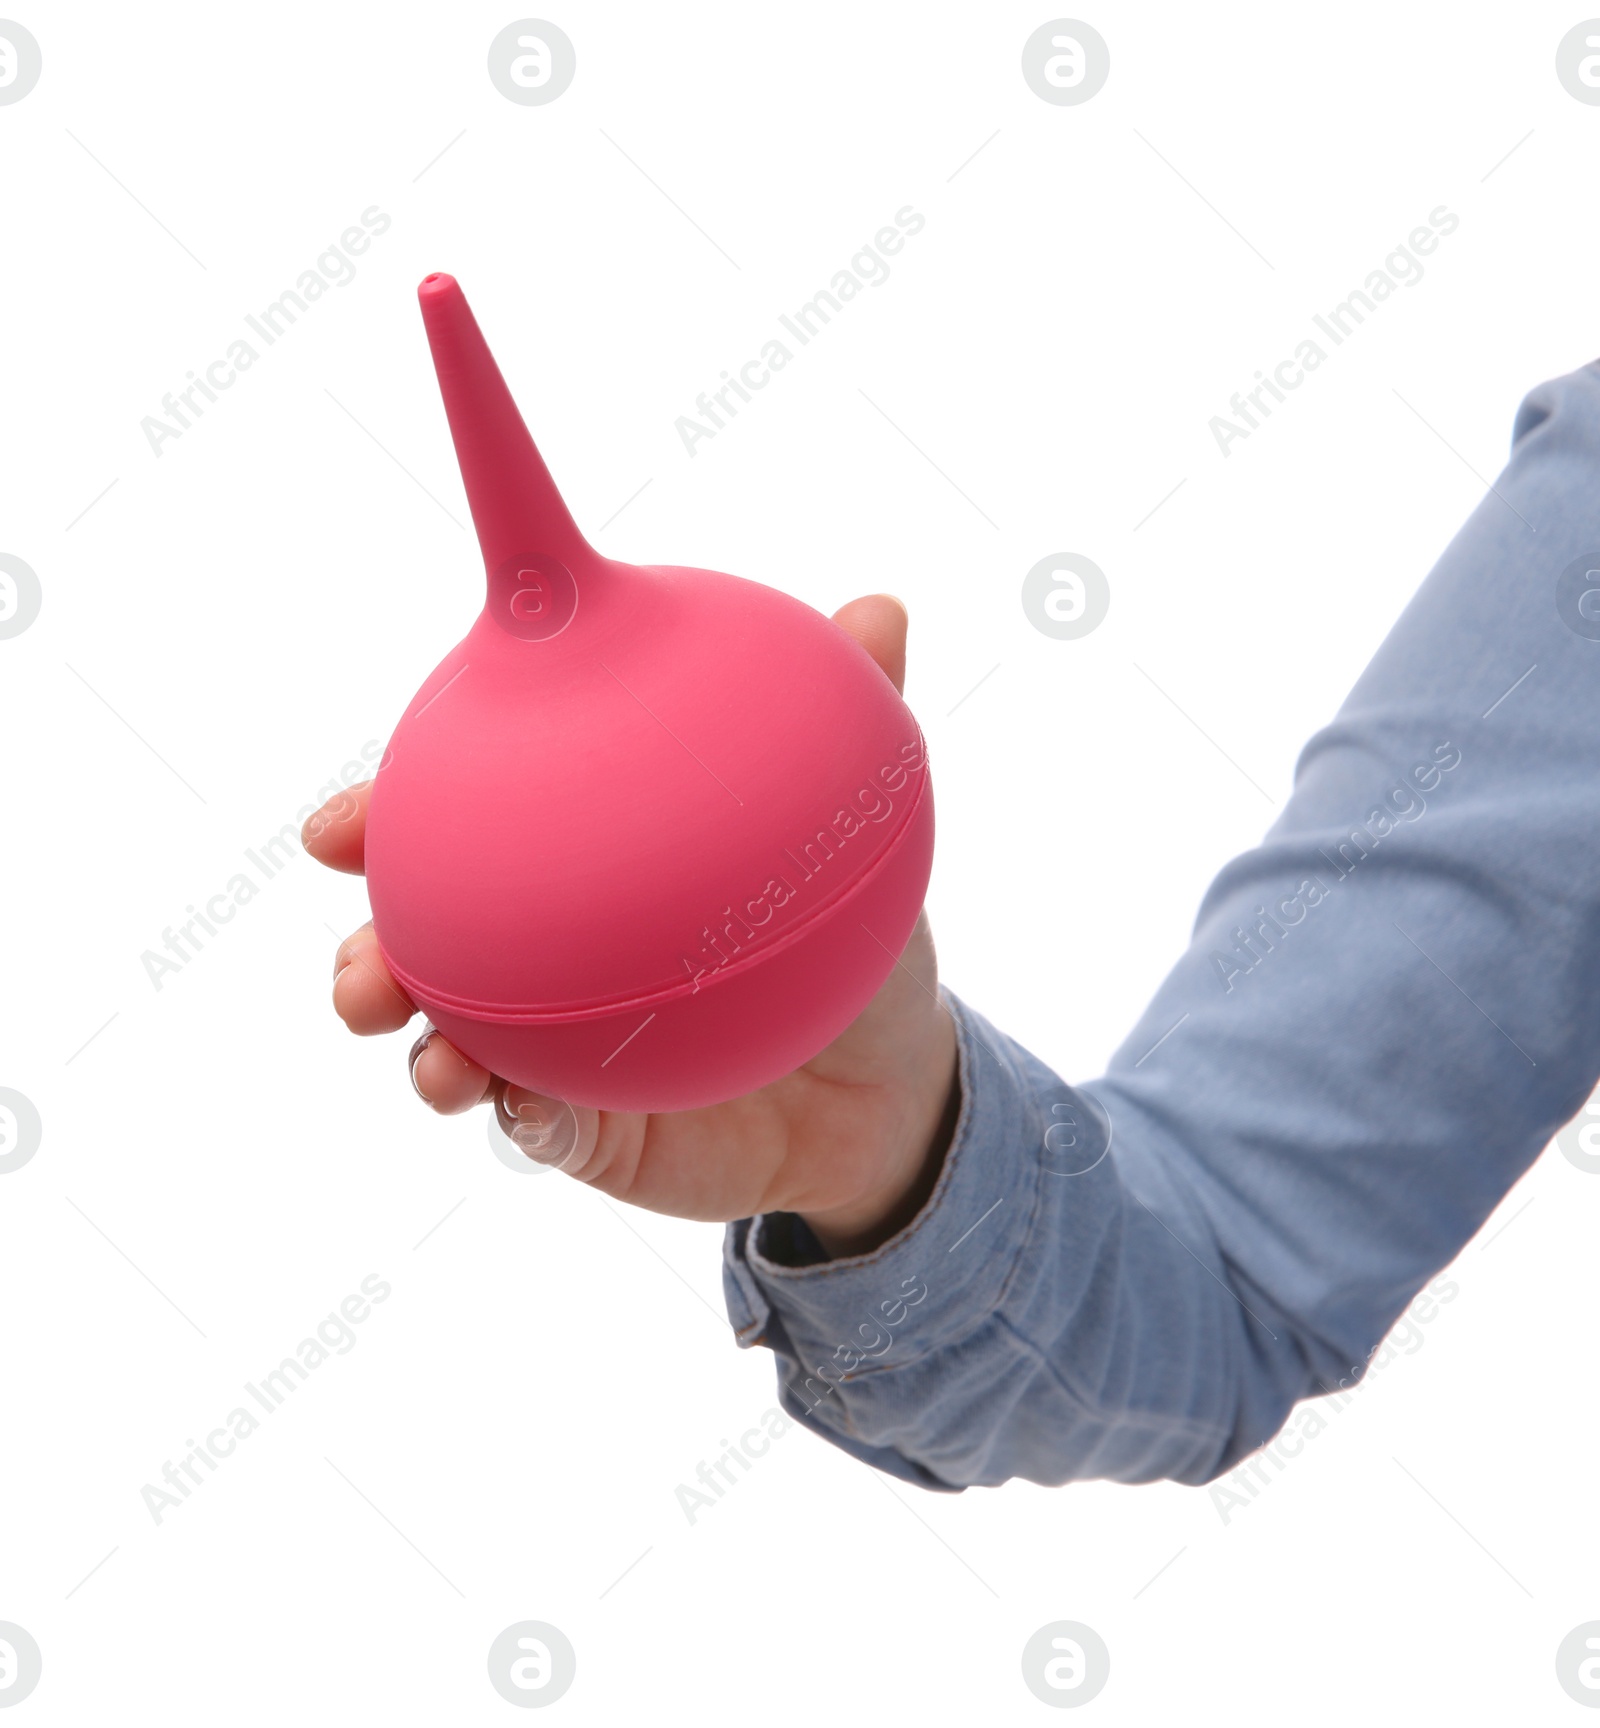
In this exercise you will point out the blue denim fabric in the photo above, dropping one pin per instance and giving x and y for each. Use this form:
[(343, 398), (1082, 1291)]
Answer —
[(1387, 1009)]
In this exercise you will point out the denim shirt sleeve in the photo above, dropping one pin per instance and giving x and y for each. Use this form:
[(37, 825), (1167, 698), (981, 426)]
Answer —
[(1386, 1010)]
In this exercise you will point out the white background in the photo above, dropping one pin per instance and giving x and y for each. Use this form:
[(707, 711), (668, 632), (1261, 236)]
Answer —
[(260, 600)]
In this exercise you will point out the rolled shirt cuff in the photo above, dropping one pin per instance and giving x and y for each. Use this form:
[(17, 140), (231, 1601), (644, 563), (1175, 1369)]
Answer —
[(840, 1326)]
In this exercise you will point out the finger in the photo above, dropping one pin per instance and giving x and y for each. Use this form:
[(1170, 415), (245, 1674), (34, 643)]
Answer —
[(365, 994), (547, 1130), (878, 622), (444, 1078), (336, 835)]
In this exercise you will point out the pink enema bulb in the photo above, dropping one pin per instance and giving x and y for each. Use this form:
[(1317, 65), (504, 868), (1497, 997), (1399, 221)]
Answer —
[(649, 837)]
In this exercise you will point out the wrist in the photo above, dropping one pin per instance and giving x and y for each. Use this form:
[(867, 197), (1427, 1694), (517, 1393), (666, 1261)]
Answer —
[(867, 1223)]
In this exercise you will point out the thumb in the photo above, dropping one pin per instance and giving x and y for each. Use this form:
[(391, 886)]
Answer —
[(878, 622)]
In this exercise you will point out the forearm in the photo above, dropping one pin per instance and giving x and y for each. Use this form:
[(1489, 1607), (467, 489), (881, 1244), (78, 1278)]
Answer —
[(1387, 1008)]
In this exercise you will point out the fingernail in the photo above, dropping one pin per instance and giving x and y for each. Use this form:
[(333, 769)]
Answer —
[(414, 1058), (900, 603), (341, 958)]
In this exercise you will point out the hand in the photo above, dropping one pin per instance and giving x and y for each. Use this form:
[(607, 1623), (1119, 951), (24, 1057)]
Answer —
[(853, 1141)]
